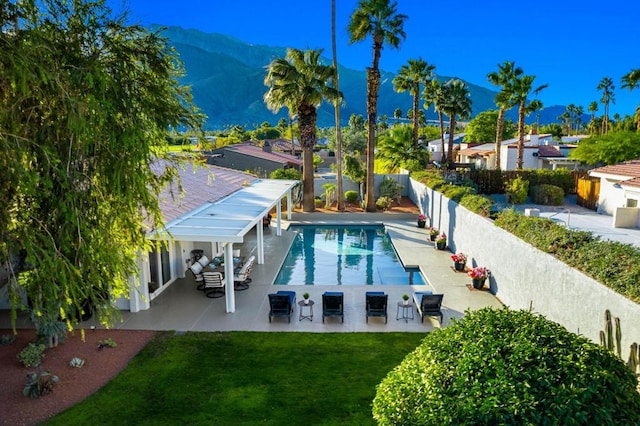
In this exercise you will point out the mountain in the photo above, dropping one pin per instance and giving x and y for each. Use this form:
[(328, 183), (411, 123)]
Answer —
[(226, 77)]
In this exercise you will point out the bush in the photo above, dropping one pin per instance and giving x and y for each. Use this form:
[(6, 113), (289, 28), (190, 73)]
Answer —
[(548, 195), (351, 196), (390, 188), (478, 204), (32, 355), (507, 367), (384, 203), (517, 190)]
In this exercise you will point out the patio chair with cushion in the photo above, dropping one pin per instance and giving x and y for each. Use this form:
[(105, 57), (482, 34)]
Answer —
[(213, 284), (333, 305), (196, 270), (428, 304), (242, 279), (281, 304), (204, 261), (376, 303)]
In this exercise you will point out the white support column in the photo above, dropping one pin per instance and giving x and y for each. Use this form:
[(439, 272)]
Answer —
[(228, 277), (278, 221), (260, 241), (289, 204)]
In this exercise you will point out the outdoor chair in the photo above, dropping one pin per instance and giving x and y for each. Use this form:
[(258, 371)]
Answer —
[(428, 305), (196, 270), (376, 303), (204, 261), (281, 304), (333, 305), (242, 279), (213, 284)]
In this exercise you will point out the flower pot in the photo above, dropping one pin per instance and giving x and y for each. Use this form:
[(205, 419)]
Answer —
[(478, 282), (432, 237), (306, 301), (459, 266), (405, 302), (441, 245), (421, 223)]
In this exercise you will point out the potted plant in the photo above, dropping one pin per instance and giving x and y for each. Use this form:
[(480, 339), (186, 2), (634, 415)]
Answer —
[(306, 298), (459, 261), (405, 299), (433, 233), (479, 275), (441, 241), (422, 220)]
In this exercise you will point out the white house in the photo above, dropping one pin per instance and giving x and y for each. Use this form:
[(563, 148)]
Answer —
[(620, 192), (540, 152), (435, 146)]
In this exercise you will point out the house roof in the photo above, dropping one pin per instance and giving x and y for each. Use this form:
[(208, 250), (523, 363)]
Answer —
[(621, 171), (284, 145), (252, 150), (632, 183), (546, 151), (474, 152)]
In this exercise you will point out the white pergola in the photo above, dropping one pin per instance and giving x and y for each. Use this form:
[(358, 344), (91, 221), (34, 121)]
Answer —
[(227, 220)]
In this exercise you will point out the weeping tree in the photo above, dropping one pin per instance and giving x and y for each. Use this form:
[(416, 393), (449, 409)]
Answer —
[(87, 102)]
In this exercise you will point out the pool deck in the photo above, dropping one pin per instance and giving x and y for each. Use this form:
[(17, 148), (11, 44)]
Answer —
[(182, 308)]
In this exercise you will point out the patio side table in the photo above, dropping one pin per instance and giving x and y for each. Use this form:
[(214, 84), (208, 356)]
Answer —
[(403, 311), (309, 314)]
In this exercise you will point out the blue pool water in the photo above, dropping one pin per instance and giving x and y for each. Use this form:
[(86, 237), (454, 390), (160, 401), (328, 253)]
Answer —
[(343, 255)]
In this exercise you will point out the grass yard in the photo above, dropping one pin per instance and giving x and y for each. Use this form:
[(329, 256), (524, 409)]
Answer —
[(240, 378)]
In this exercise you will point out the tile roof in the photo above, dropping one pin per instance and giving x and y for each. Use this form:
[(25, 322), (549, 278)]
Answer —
[(634, 183), (250, 149), (629, 169), (472, 152), (546, 151)]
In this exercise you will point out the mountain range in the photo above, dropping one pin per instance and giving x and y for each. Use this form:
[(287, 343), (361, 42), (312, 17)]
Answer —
[(226, 76)]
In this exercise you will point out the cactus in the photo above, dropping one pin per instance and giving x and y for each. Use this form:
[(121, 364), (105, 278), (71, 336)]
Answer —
[(76, 362), (606, 340)]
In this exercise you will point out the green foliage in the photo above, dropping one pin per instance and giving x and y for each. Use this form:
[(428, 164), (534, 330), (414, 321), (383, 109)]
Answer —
[(384, 203), (548, 195), (554, 128), (396, 149), (479, 204), (351, 196), (39, 384), (264, 133), (291, 174), (608, 149), (31, 355), (517, 190), (611, 263), (482, 128), (390, 188), (489, 368), (7, 339), (107, 343), (317, 160), (329, 194), (456, 192)]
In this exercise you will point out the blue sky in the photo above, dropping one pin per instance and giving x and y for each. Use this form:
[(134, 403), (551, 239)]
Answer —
[(569, 45)]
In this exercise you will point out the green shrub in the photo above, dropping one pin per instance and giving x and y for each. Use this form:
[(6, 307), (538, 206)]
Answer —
[(351, 196), (456, 192), (31, 355), (548, 195), (562, 178), (517, 190), (390, 188), (384, 203), (479, 204), (489, 368), (291, 174)]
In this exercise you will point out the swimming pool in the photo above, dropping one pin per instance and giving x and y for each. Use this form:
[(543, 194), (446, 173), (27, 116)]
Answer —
[(343, 255)]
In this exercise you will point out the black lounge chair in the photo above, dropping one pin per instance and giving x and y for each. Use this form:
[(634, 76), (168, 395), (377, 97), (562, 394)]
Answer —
[(428, 305), (333, 305), (376, 303), (281, 304)]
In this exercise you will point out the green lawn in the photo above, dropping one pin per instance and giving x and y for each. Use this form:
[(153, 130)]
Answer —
[(248, 378)]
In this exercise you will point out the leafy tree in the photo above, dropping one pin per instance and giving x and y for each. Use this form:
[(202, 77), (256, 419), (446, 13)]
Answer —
[(554, 128), (607, 87), (522, 88), (356, 123), (355, 170), (409, 78), (86, 107), (482, 127), (396, 149), (504, 78), (507, 367), (455, 103), (608, 149), (631, 81), (380, 20), (352, 140), (301, 79), (264, 133)]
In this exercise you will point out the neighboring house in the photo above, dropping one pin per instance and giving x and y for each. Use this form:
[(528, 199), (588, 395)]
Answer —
[(286, 146), (249, 156), (482, 156), (620, 192), (540, 152), (435, 146)]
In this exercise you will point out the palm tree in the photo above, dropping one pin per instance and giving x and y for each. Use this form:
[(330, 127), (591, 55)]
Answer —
[(397, 114), (432, 94), (522, 88), (409, 78), (339, 188), (579, 110), (607, 87), (379, 19), (593, 108), (503, 78), (632, 81), (300, 79), (571, 111), (456, 103), (396, 149)]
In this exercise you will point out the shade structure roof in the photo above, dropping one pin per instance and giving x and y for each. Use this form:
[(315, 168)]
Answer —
[(230, 218)]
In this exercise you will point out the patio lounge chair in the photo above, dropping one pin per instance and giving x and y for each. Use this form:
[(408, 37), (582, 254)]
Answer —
[(242, 279), (196, 270), (376, 303), (281, 304), (333, 305), (428, 304), (213, 284)]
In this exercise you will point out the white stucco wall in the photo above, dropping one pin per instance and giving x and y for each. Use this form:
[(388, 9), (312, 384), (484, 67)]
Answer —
[(611, 196), (524, 277)]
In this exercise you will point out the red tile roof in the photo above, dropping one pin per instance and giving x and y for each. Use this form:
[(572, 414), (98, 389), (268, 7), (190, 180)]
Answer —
[(635, 182), (630, 169), (546, 151)]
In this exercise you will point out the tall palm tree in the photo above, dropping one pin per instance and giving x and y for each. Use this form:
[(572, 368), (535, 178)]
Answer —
[(432, 94), (380, 20), (300, 79), (632, 81), (397, 114), (410, 76), (593, 108), (396, 149), (579, 113), (456, 103), (571, 111), (503, 78), (607, 87), (339, 188), (522, 88)]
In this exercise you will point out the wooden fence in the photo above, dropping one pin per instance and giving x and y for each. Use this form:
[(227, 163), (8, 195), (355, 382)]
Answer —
[(588, 189)]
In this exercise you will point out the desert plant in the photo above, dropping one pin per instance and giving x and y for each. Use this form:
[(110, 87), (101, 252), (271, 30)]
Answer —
[(517, 190), (390, 188), (110, 343), (76, 362), (351, 196), (31, 355), (39, 384), (493, 355), (329, 194), (384, 203), (7, 339)]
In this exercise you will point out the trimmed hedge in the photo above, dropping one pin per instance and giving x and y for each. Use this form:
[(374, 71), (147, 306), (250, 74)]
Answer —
[(507, 367), (614, 264), (547, 195)]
